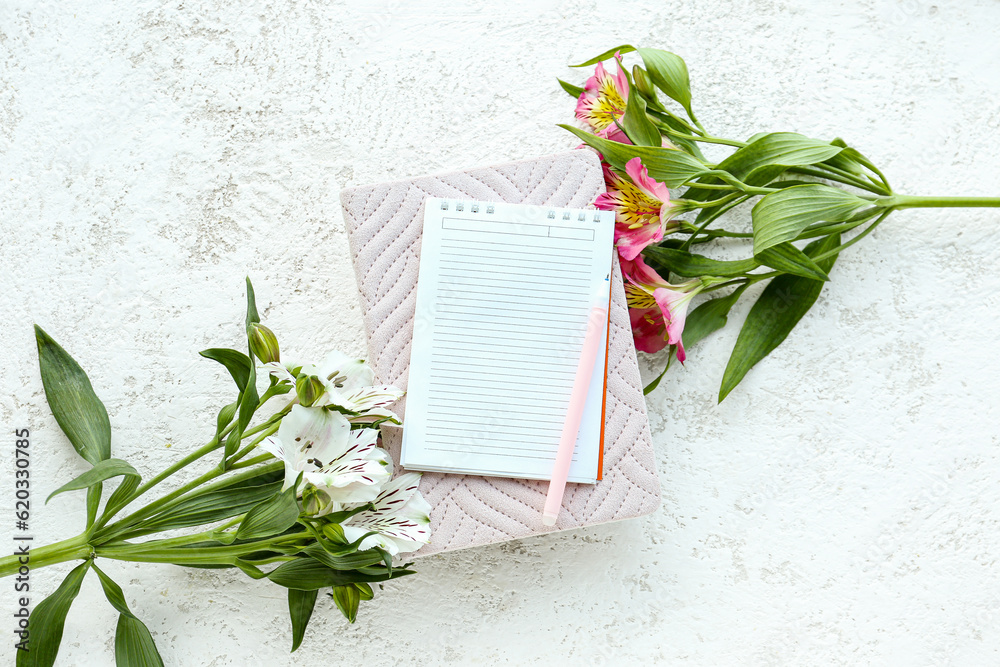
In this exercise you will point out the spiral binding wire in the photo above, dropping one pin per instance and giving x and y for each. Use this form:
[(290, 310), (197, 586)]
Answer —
[(490, 210)]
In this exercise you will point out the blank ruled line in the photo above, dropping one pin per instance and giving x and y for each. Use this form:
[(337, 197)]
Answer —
[(508, 362), (463, 339), (473, 310), (516, 399), (506, 329), (464, 448), (492, 414), (532, 429), (499, 321), (477, 341), (506, 454), (498, 402), (461, 297), (518, 439), (532, 265), (490, 289), (494, 337), (507, 270), (532, 245), (510, 392), (518, 368), (484, 398), (489, 301), (522, 250), (449, 272), (450, 382), (508, 255)]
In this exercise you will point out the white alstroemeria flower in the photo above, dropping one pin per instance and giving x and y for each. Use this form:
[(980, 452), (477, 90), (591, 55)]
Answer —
[(347, 382), (283, 372), (344, 464), (401, 518)]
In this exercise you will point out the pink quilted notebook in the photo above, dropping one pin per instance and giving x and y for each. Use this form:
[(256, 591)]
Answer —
[(384, 223)]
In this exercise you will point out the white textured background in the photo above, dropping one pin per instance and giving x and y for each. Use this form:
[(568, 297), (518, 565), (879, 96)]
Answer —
[(841, 507)]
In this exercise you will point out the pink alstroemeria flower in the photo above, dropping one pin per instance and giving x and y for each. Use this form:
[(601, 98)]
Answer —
[(646, 293), (603, 98), (648, 330), (642, 207)]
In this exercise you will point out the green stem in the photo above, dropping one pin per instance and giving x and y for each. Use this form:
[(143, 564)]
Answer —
[(135, 528), (692, 204), (704, 139), (737, 183), (210, 446), (848, 244), (662, 112), (846, 180), (708, 220), (59, 552), (723, 233), (252, 462), (118, 527), (907, 201), (249, 448), (153, 552)]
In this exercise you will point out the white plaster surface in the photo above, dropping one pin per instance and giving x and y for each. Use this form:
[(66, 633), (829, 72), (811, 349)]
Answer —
[(841, 507)]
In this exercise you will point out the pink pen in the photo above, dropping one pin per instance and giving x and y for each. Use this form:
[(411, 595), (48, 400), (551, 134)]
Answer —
[(596, 324)]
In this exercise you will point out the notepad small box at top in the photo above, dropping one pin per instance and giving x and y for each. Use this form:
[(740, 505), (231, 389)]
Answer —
[(384, 225), (503, 297)]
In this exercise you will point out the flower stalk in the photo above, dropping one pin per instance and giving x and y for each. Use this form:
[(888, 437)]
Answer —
[(805, 195), (307, 511)]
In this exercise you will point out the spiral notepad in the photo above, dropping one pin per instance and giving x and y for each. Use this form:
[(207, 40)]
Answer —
[(503, 296)]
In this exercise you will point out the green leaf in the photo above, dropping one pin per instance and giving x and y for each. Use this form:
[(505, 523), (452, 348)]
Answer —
[(672, 167), (786, 257), (270, 517), (767, 157), (93, 503), (624, 48), (348, 598), (113, 592), (670, 74), (366, 591), (238, 364), (709, 317), (211, 507), (574, 91), (300, 609), (78, 411), (308, 575), (689, 265), (636, 123), (101, 471), (782, 215), (778, 309), (48, 619), (349, 561), (134, 646)]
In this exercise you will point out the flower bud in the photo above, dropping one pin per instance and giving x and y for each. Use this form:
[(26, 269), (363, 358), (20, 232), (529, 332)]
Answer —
[(315, 501), (309, 388), (263, 343), (643, 84), (335, 532)]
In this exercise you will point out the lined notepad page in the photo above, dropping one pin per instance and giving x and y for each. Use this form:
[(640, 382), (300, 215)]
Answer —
[(503, 296)]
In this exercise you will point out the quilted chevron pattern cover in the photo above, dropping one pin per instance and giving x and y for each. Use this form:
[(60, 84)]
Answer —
[(384, 228)]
